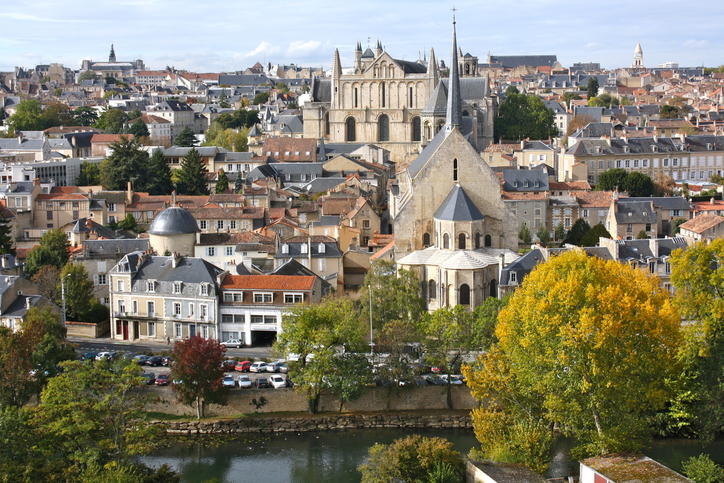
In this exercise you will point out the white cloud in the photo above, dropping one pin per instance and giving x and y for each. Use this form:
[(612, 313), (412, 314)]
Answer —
[(303, 47), (35, 18), (696, 43), (264, 48)]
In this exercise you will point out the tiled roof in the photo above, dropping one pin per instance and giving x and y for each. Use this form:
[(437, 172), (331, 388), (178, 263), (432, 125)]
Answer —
[(569, 185), (109, 138), (268, 282), (298, 149), (593, 199), (702, 222), (502, 148)]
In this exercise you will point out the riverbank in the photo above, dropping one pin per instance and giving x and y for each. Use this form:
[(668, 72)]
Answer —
[(300, 422)]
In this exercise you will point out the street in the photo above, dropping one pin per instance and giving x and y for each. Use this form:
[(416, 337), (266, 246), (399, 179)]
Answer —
[(106, 344)]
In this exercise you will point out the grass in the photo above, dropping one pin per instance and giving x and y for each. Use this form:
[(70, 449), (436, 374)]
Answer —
[(159, 416)]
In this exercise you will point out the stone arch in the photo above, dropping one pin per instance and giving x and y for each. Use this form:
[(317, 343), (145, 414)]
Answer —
[(494, 288), (478, 239), (416, 131), (426, 240), (462, 241), (383, 127), (350, 129), (464, 294), (431, 289), (446, 241), (488, 241)]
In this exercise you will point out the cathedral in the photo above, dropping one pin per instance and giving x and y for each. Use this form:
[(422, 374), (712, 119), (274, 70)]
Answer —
[(451, 226), (396, 104)]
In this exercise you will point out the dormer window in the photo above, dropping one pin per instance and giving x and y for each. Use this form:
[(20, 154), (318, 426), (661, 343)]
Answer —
[(654, 148), (204, 289), (708, 146), (151, 286), (321, 248), (513, 277), (285, 248), (304, 248), (626, 149), (177, 287)]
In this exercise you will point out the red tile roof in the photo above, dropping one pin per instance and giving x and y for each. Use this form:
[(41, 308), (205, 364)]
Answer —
[(298, 149), (109, 138), (702, 222), (268, 282)]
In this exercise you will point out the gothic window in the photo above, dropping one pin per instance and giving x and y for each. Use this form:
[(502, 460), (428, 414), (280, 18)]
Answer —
[(425, 240), (467, 69), (356, 99), (410, 97), (446, 241), (432, 290), (350, 126), (478, 238), (461, 241), (382, 94), (326, 124), (415, 128), (464, 294), (383, 128), (488, 241), (455, 169), (493, 288)]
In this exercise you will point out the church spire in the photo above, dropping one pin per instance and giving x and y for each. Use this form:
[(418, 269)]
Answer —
[(112, 55), (432, 68), (454, 103)]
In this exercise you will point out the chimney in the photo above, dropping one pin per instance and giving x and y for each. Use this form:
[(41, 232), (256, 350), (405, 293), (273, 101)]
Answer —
[(173, 198), (129, 193), (27, 302), (175, 259)]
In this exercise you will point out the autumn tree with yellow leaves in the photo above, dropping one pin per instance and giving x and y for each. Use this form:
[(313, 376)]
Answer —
[(584, 347)]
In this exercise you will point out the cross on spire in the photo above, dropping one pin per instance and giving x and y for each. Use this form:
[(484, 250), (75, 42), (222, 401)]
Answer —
[(453, 11)]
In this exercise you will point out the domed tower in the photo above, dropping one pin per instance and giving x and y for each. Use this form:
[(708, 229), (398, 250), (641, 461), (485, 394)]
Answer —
[(173, 231), (638, 61), (458, 222)]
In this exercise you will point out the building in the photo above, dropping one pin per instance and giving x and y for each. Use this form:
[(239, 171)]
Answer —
[(17, 296), (631, 219), (627, 468), (173, 231), (638, 59), (113, 68), (706, 226), (320, 254)]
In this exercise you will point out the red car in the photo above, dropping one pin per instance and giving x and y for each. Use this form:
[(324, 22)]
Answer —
[(242, 366), (228, 364), (162, 380)]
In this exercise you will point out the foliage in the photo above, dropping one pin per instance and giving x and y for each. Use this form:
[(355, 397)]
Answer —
[(544, 236), (185, 138), (197, 362), (6, 239), (642, 235), (604, 100), (52, 250), (139, 129), (560, 232), (590, 239), (348, 376), (412, 458), (27, 117), (523, 116), (127, 162), (570, 96), (47, 279), (701, 469), (575, 235), (90, 174), (612, 179), (260, 98), (159, 174), (238, 119), (85, 116), (577, 123), (78, 291), (663, 184), (87, 75), (395, 295), (639, 184), (585, 346), (112, 120), (222, 182), (396, 340), (192, 175), (524, 234), (676, 225), (128, 223), (231, 139), (592, 88), (670, 112)]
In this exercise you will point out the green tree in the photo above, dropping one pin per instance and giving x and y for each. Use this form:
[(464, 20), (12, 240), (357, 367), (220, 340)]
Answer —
[(222, 182), (198, 363), (395, 294), (612, 179), (701, 469), (128, 223), (560, 232), (592, 88), (544, 236), (639, 184), (112, 120), (412, 458), (349, 374), (57, 114), (139, 129), (523, 116), (604, 100), (524, 234), (78, 291), (127, 162), (90, 174), (642, 235), (669, 112), (192, 176), (28, 116), (47, 279), (231, 139), (260, 98), (6, 239), (159, 174), (87, 75), (570, 358), (577, 232), (185, 138), (85, 116), (590, 239), (570, 96), (52, 250)]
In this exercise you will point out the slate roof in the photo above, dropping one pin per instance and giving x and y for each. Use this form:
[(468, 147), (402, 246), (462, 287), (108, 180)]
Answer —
[(512, 61), (458, 207), (18, 308), (183, 151), (421, 160), (663, 202), (243, 79), (322, 185), (321, 90), (409, 67), (525, 180), (294, 245), (173, 221), (189, 270), (635, 212), (471, 89), (24, 145), (522, 267), (457, 259), (113, 248)]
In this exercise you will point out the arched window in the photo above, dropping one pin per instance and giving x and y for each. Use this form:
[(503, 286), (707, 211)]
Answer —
[(423, 289), (478, 239), (350, 128), (467, 69), (428, 134), (382, 94), (439, 125), (383, 128), (455, 169), (431, 290), (464, 294), (461, 241), (488, 241), (356, 98), (446, 241), (410, 97), (425, 240), (493, 288), (416, 128), (326, 124)]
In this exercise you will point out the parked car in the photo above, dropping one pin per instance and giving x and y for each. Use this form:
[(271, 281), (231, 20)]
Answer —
[(232, 343), (88, 356), (150, 378), (455, 379), (244, 382), (433, 380), (258, 367), (166, 361), (154, 361), (262, 383), (106, 355), (278, 382), (242, 366), (228, 364), (162, 380), (141, 359), (278, 366), (228, 381)]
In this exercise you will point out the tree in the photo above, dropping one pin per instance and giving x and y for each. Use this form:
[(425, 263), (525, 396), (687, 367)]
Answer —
[(577, 123), (592, 88), (112, 120), (192, 175), (87, 75), (523, 116), (198, 363), (560, 232), (349, 374), (52, 250), (127, 162), (78, 291), (669, 112), (642, 235), (222, 182), (28, 116), (128, 223), (638, 184), (612, 179), (524, 234), (6, 238), (544, 236), (577, 232), (185, 138), (412, 458), (85, 116), (397, 339), (47, 279), (701, 469), (590, 239), (238, 119), (139, 129), (159, 174), (604, 100), (585, 346), (260, 98), (570, 96), (396, 295), (90, 174), (231, 139)]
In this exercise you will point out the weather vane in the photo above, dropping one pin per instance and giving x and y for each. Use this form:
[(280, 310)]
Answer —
[(453, 11)]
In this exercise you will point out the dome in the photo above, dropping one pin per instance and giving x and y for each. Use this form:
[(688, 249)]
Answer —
[(173, 221)]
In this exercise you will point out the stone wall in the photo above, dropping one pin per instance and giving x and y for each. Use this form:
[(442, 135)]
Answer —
[(240, 401), (267, 424)]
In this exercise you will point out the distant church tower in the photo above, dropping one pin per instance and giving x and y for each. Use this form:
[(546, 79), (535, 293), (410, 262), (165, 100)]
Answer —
[(112, 55), (638, 60)]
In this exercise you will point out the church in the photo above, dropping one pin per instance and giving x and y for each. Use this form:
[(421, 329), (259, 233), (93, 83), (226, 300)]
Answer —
[(118, 69), (396, 104), (451, 226)]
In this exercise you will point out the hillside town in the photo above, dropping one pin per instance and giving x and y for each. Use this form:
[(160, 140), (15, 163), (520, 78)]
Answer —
[(150, 207)]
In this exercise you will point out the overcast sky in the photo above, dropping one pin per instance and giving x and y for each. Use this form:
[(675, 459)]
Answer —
[(228, 35)]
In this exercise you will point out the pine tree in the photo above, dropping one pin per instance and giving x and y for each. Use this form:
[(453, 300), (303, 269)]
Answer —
[(222, 182), (159, 175), (6, 239), (192, 175), (139, 129), (128, 162), (185, 138)]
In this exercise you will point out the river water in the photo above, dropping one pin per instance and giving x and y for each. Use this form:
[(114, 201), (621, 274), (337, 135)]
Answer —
[(333, 456)]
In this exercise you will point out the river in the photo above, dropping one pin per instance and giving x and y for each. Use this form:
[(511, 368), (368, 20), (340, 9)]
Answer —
[(333, 456)]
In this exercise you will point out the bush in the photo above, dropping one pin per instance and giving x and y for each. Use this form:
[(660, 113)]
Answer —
[(702, 469)]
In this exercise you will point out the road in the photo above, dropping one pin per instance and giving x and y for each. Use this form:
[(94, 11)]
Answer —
[(106, 344)]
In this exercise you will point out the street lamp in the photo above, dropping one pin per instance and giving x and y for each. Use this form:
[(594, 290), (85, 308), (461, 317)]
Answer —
[(62, 295)]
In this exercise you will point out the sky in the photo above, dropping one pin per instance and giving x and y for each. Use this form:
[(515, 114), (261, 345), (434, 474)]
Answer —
[(229, 35)]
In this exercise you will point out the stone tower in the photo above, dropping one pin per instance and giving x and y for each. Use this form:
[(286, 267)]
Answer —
[(112, 55), (638, 60)]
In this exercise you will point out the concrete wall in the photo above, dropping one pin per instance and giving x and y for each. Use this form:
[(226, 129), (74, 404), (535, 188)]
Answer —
[(288, 400), (86, 329)]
